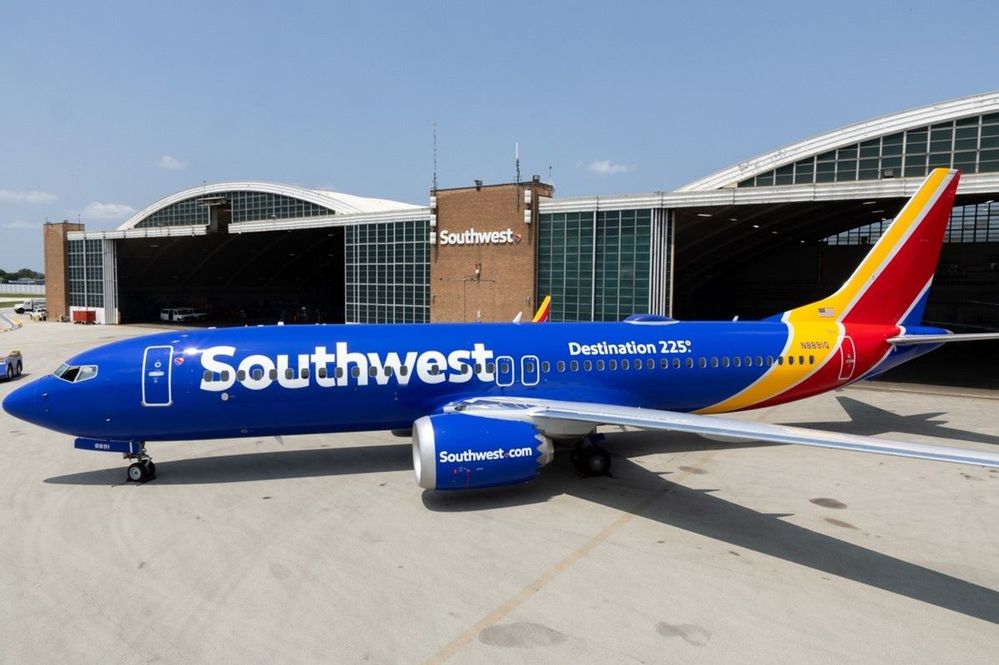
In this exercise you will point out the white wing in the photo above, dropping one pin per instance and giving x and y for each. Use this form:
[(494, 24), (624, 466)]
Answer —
[(552, 416)]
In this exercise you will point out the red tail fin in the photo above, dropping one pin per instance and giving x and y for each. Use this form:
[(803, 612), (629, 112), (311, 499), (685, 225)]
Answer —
[(896, 273)]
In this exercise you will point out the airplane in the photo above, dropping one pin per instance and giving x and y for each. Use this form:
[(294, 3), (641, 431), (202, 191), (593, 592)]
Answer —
[(487, 402)]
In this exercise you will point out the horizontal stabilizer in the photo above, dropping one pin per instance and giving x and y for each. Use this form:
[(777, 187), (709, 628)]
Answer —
[(909, 340)]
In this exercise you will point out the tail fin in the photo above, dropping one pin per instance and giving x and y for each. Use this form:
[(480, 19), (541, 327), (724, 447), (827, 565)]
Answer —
[(544, 310), (891, 284)]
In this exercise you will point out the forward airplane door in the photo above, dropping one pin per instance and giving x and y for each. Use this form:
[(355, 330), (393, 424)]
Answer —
[(156, 365)]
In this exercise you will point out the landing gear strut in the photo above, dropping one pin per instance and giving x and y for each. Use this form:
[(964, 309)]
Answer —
[(590, 459), (143, 470)]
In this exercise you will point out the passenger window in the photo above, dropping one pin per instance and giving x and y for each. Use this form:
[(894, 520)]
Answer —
[(574, 365), (676, 363), (801, 360), (612, 364), (702, 362), (403, 371), (241, 375), (289, 373), (780, 360), (321, 373), (690, 363), (759, 361), (664, 363), (207, 376), (356, 372), (714, 361), (504, 367), (638, 363), (478, 368), (811, 360), (737, 361), (749, 361), (625, 364), (528, 366), (388, 371), (587, 365), (546, 366), (560, 365), (257, 373), (725, 362), (339, 372), (650, 364), (272, 373), (600, 365)]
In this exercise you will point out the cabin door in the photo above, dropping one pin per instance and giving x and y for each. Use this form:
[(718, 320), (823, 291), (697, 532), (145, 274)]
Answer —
[(847, 358), (156, 364)]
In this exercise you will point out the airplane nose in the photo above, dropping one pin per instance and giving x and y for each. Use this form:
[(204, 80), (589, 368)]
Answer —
[(22, 403)]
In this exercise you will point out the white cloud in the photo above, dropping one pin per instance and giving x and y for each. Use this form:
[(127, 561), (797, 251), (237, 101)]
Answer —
[(97, 210), (170, 162), (607, 167), (31, 196), (18, 224)]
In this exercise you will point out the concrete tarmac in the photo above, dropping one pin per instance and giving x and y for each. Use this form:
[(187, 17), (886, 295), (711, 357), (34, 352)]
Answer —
[(325, 550)]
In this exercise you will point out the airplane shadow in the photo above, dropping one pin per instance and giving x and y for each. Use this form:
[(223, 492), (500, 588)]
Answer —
[(632, 489), (636, 490), (244, 467), (868, 420)]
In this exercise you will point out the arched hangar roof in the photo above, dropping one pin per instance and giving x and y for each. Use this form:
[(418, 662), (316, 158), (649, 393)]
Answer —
[(964, 107), (313, 201)]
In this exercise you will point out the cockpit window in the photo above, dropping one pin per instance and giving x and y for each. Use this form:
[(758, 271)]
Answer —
[(76, 373)]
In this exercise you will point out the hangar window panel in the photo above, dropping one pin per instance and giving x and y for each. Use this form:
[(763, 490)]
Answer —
[(765, 179), (939, 160), (846, 170), (891, 145), (784, 175), (915, 165), (967, 162), (804, 171), (867, 169), (595, 276), (825, 167), (870, 148), (387, 273), (915, 141)]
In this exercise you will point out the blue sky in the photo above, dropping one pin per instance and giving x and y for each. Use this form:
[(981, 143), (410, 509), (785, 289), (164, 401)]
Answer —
[(107, 108)]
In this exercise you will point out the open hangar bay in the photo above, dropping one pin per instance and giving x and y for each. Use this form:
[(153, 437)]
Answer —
[(325, 550)]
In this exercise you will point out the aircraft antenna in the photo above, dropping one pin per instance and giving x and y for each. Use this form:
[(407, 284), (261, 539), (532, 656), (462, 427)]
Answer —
[(435, 156), (516, 156)]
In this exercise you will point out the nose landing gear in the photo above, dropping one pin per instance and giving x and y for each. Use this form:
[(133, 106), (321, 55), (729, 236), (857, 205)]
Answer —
[(143, 470)]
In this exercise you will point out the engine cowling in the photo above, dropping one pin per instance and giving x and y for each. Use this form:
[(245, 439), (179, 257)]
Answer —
[(456, 451)]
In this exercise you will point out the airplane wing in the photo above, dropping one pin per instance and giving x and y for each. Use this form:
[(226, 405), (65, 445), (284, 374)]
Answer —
[(908, 340), (551, 415)]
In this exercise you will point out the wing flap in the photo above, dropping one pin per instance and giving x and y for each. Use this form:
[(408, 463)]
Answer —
[(541, 412)]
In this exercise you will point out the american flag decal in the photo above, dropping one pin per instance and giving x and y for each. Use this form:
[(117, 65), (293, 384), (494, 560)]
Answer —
[(827, 311)]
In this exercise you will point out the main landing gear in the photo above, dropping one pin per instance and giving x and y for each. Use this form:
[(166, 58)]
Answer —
[(590, 459), (143, 470)]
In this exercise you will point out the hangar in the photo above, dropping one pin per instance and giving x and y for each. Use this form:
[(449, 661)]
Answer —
[(750, 240)]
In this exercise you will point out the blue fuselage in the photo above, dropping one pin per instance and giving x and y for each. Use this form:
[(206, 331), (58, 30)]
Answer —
[(270, 380)]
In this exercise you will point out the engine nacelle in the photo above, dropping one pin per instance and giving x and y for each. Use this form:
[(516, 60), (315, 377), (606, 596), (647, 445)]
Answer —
[(453, 451)]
